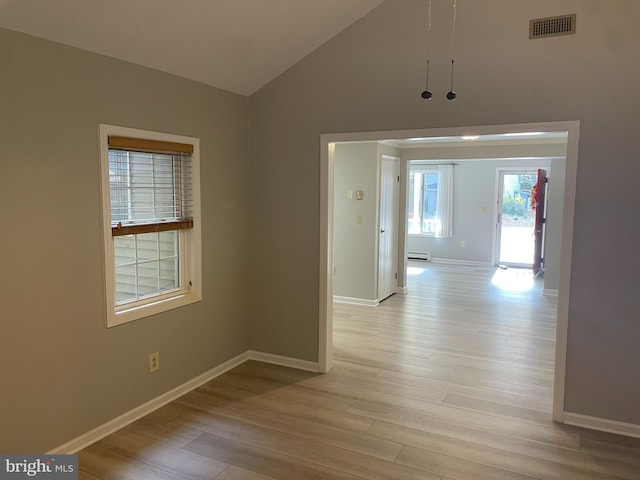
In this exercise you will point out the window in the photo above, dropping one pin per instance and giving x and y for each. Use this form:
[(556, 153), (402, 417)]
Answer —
[(430, 200), (150, 185), (423, 200)]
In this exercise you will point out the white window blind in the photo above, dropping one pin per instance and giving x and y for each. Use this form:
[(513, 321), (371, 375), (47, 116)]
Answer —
[(150, 186)]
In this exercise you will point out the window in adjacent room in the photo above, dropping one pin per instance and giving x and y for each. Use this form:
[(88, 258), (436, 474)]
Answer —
[(151, 205), (430, 200), (423, 200)]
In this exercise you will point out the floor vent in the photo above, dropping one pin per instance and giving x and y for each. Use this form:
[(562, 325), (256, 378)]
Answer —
[(552, 26)]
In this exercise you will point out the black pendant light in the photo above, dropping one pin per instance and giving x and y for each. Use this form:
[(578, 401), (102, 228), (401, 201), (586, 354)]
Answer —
[(427, 93), (451, 95)]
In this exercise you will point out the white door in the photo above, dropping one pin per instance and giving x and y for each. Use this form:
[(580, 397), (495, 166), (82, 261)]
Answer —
[(388, 235)]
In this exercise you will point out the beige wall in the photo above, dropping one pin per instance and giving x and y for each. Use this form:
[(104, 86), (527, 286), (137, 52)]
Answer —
[(354, 248), (62, 372), (369, 78)]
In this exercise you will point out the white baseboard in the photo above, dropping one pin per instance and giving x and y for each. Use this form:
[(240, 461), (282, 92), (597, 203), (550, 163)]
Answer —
[(284, 361), (464, 263), (602, 424), (356, 301), (402, 290), (550, 292), (140, 411), (98, 433)]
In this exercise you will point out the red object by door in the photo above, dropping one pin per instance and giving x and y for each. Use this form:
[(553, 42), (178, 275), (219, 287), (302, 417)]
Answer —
[(538, 195)]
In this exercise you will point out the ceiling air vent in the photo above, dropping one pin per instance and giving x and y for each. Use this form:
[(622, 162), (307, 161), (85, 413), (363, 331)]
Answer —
[(552, 26)]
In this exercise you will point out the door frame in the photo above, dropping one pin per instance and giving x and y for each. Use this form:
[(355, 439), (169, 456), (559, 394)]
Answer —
[(327, 153)]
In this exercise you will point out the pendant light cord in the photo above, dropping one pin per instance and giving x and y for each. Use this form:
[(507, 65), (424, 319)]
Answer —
[(426, 94), (453, 40), (453, 46), (428, 43)]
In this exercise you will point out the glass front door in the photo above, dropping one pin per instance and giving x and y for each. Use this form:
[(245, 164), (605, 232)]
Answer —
[(516, 219)]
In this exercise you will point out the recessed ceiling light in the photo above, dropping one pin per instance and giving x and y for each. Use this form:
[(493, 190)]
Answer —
[(470, 137), (523, 134), (424, 139)]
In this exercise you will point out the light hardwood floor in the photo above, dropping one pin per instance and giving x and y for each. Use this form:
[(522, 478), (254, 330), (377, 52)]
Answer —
[(451, 381)]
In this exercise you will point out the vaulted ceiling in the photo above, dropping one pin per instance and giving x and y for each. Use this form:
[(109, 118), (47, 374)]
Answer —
[(236, 45)]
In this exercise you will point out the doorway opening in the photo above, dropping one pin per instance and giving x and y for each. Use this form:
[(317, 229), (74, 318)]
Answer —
[(328, 141), (516, 218)]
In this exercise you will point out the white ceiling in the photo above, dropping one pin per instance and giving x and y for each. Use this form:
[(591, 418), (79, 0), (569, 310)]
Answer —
[(236, 45)]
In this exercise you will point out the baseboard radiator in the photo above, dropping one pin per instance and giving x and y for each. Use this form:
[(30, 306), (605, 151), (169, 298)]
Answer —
[(419, 256)]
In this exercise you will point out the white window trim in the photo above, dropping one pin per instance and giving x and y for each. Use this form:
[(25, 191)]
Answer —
[(190, 269)]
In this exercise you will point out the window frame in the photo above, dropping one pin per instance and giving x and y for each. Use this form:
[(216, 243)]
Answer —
[(190, 290), (423, 169)]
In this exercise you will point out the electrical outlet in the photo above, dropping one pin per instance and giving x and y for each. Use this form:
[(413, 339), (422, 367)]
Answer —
[(154, 362)]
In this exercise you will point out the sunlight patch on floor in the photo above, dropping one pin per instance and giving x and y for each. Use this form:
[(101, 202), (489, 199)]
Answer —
[(513, 279), (414, 271)]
